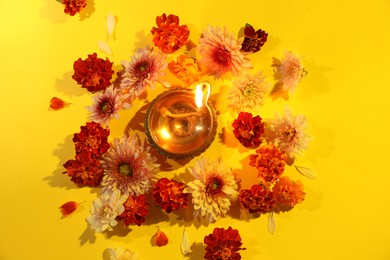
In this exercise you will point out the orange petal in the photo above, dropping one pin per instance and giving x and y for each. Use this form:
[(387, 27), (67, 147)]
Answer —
[(68, 208), (57, 103), (159, 239)]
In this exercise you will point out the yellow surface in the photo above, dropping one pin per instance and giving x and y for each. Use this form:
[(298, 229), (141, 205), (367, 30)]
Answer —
[(345, 49)]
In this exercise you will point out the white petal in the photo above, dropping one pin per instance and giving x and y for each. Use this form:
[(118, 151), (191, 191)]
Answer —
[(271, 223), (306, 172), (110, 23), (104, 47), (185, 244)]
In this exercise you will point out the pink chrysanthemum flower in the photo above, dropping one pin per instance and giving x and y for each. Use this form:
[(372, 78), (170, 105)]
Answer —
[(220, 52), (288, 71), (212, 190), (128, 166), (106, 105), (248, 92), (145, 69), (288, 133)]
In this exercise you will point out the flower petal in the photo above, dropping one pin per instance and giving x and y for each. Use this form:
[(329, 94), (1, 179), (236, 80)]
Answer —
[(271, 223), (68, 208), (159, 239), (57, 103), (104, 47), (185, 244), (111, 23), (306, 172)]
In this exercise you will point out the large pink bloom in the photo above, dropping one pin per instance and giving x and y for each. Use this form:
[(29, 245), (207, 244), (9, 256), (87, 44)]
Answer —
[(221, 52)]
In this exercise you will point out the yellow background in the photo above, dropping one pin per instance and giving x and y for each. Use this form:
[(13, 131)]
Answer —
[(344, 45)]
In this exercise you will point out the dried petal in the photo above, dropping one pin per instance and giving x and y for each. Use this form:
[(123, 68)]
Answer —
[(306, 172), (58, 104), (111, 23), (68, 208), (271, 223), (185, 243), (104, 47), (159, 239)]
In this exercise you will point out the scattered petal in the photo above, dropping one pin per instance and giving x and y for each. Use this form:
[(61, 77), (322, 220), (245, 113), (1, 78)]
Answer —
[(271, 223), (122, 254), (185, 244), (104, 47), (159, 239), (111, 23), (58, 104), (68, 208), (306, 172)]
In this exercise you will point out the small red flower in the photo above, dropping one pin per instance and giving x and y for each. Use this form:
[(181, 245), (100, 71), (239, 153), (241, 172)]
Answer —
[(73, 7), (169, 36), (68, 208), (253, 40), (85, 170), (169, 194), (186, 69), (93, 73), (135, 210), (269, 161), (93, 138), (159, 239), (287, 194), (257, 199), (57, 103), (248, 129), (223, 244)]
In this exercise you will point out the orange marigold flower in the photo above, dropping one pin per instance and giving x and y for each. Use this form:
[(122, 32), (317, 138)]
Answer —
[(269, 161), (169, 194), (287, 194), (135, 210), (57, 103), (159, 239), (68, 208), (73, 7), (186, 69), (247, 129), (93, 73), (93, 138), (169, 36), (253, 40), (85, 170), (257, 199), (223, 244)]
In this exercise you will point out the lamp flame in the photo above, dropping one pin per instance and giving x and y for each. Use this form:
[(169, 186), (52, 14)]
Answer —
[(202, 93)]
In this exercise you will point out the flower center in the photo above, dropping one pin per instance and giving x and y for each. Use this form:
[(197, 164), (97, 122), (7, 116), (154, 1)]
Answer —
[(103, 106), (247, 92), (125, 169), (214, 186), (222, 56), (226, 253), (92, 142)]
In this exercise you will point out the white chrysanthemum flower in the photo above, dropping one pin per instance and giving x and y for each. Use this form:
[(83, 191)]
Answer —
[(105, 209), (212, 190), (122, 254), (288, 133), (128, 166), (248, 92)]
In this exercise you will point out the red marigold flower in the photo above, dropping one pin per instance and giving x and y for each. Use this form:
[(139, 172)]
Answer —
[(169, 36), (135, 210), (57, 103), (223, 244), (287, 194), (73, 7), (186, 69), (159, 239), (85, 170), (257, 199), (68, 208), (93, 138), (253, 40), (248, 129), (93, 73), (169, 194), (269, 161)]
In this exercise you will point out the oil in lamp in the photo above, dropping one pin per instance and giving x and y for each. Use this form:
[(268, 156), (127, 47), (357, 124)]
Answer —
[(179, 122)]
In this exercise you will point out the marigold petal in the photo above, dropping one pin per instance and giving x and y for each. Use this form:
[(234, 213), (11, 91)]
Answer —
[(68, 208), (57, 103), (159, 239)]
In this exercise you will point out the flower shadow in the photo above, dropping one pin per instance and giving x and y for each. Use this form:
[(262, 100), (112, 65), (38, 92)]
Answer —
[(87, 11), (198, 251), (142, 38), (68, 86), (315, 83), (119, 230), (54, 12), (88, 236)]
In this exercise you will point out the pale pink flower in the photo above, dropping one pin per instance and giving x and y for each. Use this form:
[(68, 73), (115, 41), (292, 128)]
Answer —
[(288, 71), (288, 133), (220, 52), (146, 68), (212, 190), (106, 105), (128, 166), (105, 209), (122, 254), (248, 92)]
